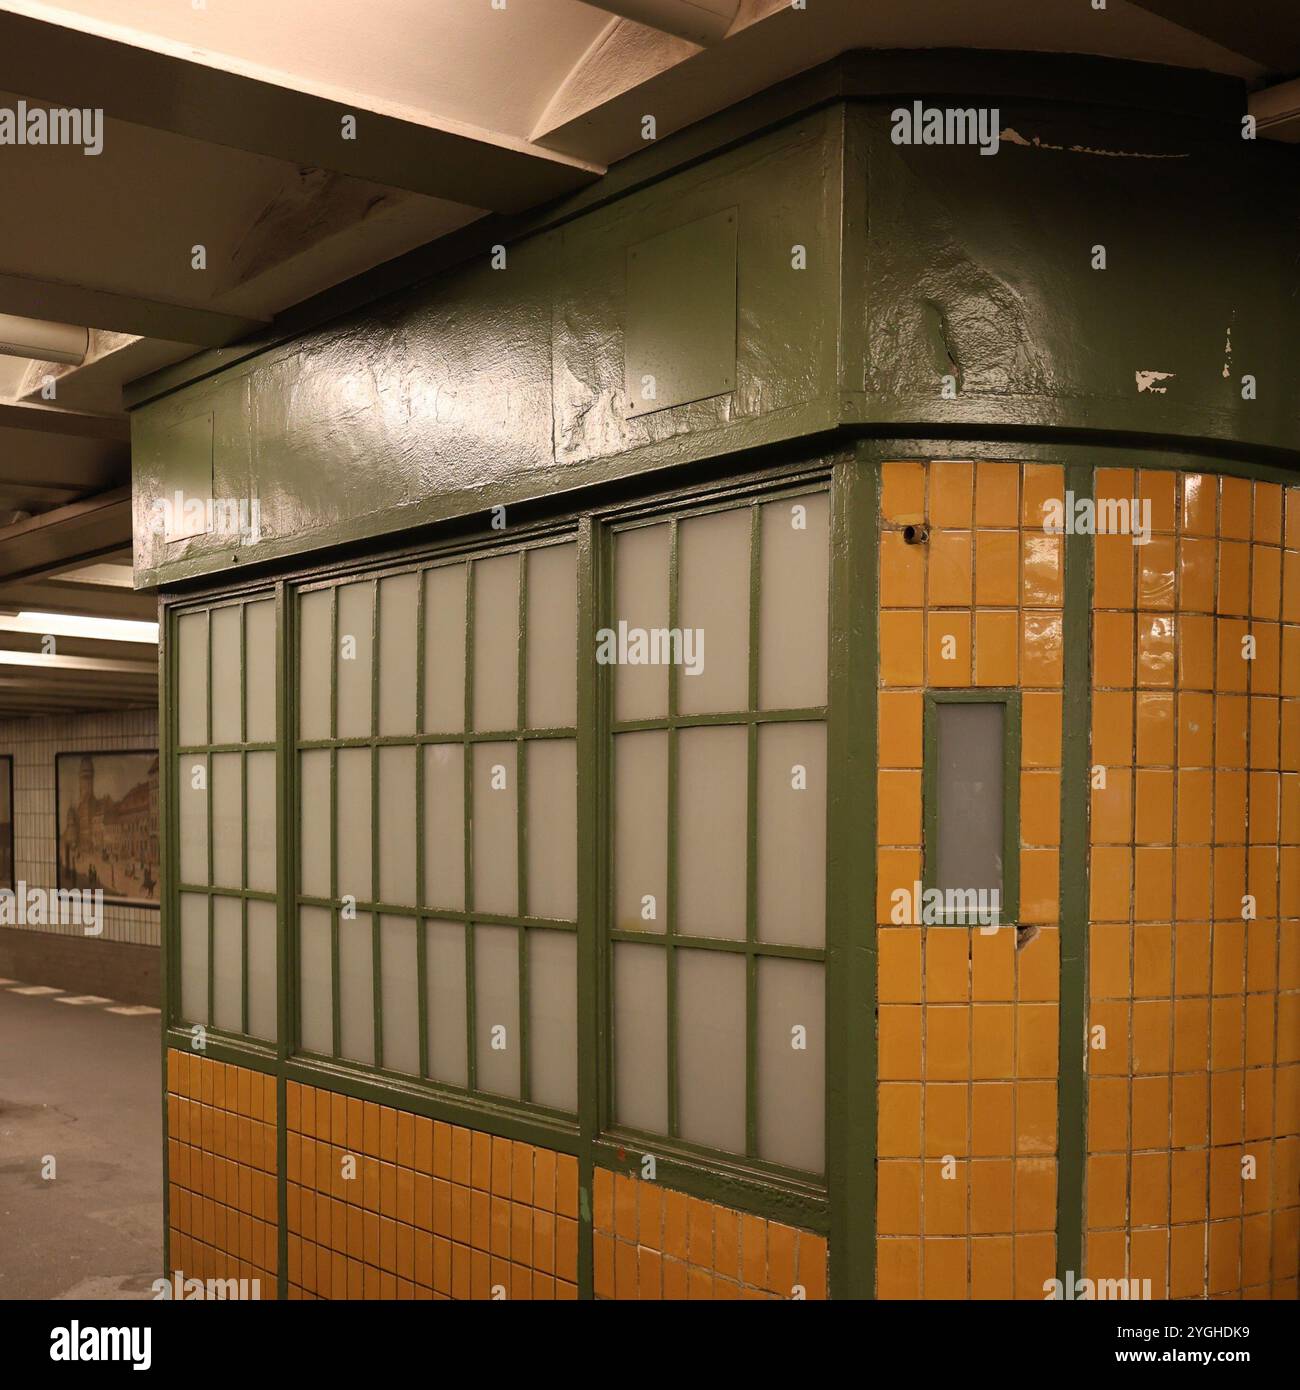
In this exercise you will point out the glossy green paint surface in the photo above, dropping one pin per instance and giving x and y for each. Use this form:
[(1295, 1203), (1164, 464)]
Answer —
[(489, 386)]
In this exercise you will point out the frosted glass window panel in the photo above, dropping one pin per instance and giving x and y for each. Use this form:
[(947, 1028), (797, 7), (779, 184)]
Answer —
[(398, 598), (315, 663), (193, 817), (355, 640), (711, 1048), (315, 980), (968, 784), (794, 577), (712, 782), (396, 803), (228, 964), (227, 820), (496, 642), (496, 1009), (713, 607), (553, 829), (227, 694), (641, 831), (640, 602), (552, 637), (260, 797), (553, 1018), (792, 834), (444, 650), (792, 1063), (192, 678), (357, 988), (353, 848), (259, 672), (641, 1037), (496, 829), (314, 822), (262, 1005), (444, 970), (444, 826), (400, 994), (194, 957)]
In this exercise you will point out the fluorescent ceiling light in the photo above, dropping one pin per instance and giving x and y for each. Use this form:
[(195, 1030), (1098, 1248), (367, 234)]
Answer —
[(75, 625)]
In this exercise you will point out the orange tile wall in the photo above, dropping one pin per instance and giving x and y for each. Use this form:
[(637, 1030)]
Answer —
[(221, 1171), (1201, 751), (968, 1023), (653, 1243), (435, 1211)]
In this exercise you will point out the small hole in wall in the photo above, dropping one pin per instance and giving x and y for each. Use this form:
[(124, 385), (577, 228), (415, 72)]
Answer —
[(1024, 935), (915, 535)]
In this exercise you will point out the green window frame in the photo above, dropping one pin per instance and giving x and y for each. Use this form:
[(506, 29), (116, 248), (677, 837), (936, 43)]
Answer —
[(1009, 700)]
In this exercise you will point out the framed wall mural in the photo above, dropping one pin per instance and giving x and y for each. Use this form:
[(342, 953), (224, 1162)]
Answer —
[(106, 814), (6, 821)]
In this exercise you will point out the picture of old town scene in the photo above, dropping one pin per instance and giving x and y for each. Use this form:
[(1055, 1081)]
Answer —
[(107, 808), (6, 822)]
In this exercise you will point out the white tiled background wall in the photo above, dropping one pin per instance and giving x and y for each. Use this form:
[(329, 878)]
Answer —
[(33, 744)]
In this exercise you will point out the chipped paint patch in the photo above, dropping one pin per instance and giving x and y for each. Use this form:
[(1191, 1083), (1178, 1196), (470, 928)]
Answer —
[(1014, 137), (1146, 381), (1227, 355)]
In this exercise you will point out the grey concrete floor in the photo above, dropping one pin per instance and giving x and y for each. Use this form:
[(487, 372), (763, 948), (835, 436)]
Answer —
[(84, 1086)]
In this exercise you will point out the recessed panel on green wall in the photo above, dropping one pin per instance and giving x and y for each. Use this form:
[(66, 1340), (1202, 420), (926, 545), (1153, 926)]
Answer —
[(188, 451), (680, 336)]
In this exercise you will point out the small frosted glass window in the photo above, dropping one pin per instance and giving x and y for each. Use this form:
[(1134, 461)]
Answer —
[(315, 980), (640, 602), (444, 826), (397, 825), (226, 692), (315, 662), (553, 829), (262, 1006), (397, 654), (355, 637), (444, 650), (194, 957), (228, 964), (968, 784), (641, 1037), (712, 776), (444, 971), (192, 678), (496, 829), (260, 770), (792, 834), (399, 986), (552, 637), (641, 831), (259, 672), (711, 1048), (192, 794), (227, 821), (553, 1018), (794, 573), (792, 1063), (713, 607), (314, 812), (496, 1009), (357, 988), (496, 642), (354, 824)]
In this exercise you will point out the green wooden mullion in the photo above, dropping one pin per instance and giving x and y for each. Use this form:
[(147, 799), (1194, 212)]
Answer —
[(243, 817), (376, 958), (851, 879), (487, 919), (207, 798), (471, 1012), (334, 819), (751, 838), (753, 949), (421, 927), (670, 907), (1076, 751), (226, 748), (406, 740), (521, 819), (251, 894), (167, 896), (732, 719), (286, 988)]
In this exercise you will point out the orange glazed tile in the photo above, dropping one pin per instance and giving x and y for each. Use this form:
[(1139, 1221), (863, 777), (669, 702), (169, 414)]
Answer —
[(898, 870), (1038, 967), (902, 492), (951, 493), (753, 1250), (1160, 488), (993, 965), (991, 1267), (1197, 560), (996, 644), (1235, 507), (1112, 807), (1039, 885), (1043, 493), (782, 1248), (1154, 821), (1041, 650), (899, 807), (946, 1189), (1290, 610), (1155, 650), (898, 1198), (997, 569), (899, 1120), (1199, 504), (1266, 583), (1112, 728), (902, 572), (949, 569), (1108, 1113), (1234, 579), (900, 729), (947, 965), (902, 648), (948, 648), (991, 1044), (899, 965), (997, 494), (947, 1041), (1044, 571), (992, 1123), (898, 1269), (1195, 652), (1114, 572), (900, 1042), (991, 1207), (947, 1121), (944, 1269)]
